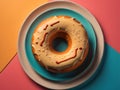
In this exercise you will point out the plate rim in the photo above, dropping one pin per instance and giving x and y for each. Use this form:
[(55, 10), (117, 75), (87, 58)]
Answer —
[(59, 85)]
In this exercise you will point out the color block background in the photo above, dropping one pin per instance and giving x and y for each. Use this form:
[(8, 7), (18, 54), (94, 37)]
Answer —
[(12, 15)]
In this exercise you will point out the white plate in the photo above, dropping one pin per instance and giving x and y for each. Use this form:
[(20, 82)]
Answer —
[(21, 41)]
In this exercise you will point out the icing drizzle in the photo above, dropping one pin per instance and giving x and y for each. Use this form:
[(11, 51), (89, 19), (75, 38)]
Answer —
[(58, 62), (76, 20), (45, 27), (54, 23), (43, 39)]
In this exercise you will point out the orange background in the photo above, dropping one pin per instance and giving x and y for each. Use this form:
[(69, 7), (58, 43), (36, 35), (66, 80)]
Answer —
[(12, 15)]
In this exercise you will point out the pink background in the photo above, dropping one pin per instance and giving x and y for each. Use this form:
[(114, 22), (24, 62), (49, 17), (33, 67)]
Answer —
[(14, 78)]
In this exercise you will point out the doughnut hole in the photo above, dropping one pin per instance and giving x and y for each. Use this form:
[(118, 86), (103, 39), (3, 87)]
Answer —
[(60, 42)]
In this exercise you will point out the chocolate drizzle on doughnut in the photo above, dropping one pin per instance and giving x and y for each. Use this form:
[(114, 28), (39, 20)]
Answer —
[(45, 27), (80, 48), (76, 20), (36, 42), (58, 62), (54, 23), (43, 39)]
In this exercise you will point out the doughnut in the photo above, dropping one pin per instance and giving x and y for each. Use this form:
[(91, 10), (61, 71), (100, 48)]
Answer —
[(60, 27)]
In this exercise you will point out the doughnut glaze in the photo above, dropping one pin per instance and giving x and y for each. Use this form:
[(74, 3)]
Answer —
[(64, 27)]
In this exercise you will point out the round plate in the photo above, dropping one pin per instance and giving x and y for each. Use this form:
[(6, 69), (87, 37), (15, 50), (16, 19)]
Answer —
[(24, 30), (64, 76)]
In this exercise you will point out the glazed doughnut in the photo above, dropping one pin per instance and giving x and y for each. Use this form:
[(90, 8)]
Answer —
[(64, 27)]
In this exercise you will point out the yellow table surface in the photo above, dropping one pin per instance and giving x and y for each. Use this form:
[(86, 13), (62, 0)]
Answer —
[(12, 15)]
